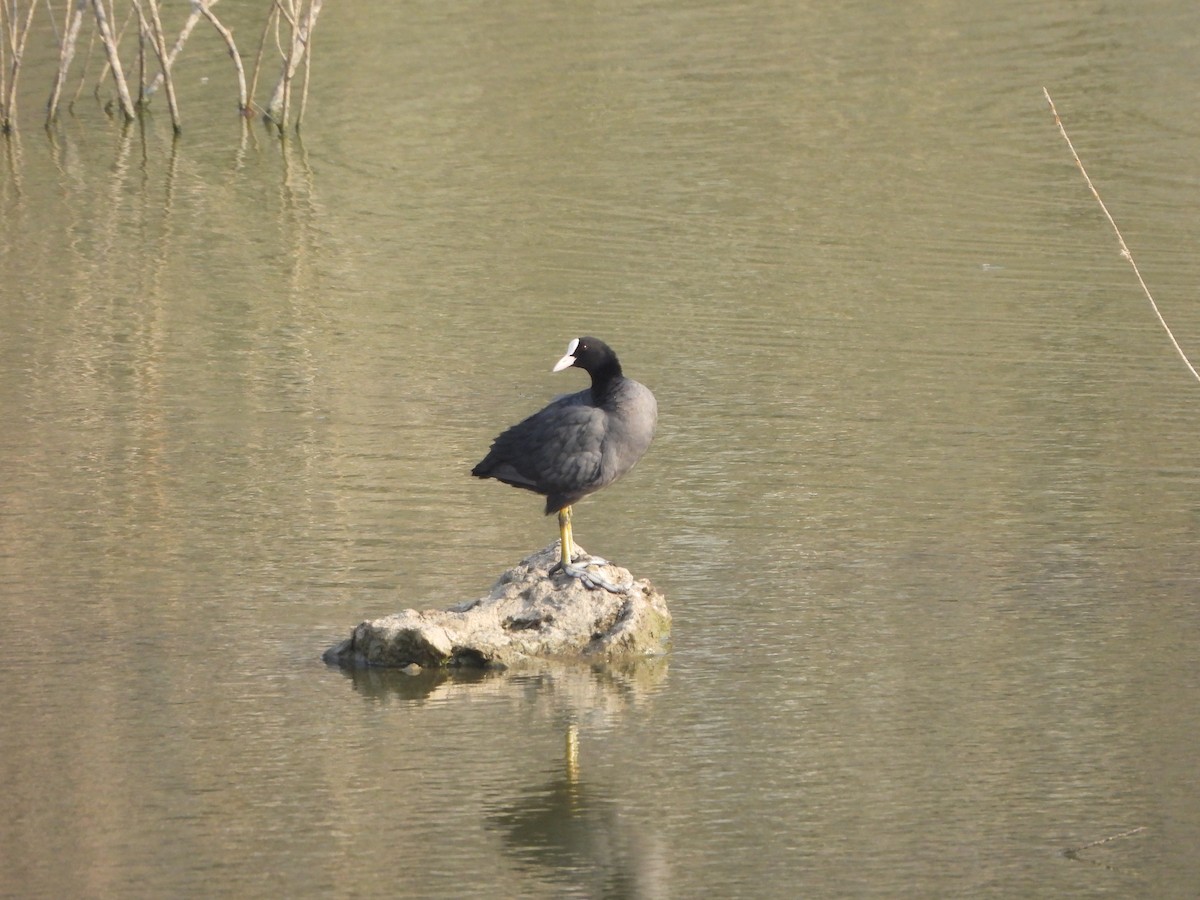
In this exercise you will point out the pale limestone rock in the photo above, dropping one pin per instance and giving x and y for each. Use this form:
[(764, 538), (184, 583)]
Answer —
[(528, 614)]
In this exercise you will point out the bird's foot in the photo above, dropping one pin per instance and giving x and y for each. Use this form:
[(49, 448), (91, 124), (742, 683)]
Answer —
[(592, 580)]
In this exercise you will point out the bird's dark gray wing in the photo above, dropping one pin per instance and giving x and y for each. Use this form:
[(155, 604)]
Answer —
[(556, 451)]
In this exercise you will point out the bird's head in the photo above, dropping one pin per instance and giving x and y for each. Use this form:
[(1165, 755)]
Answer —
[(592, 355)]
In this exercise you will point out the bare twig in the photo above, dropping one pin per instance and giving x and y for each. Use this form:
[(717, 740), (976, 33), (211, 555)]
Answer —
[(185, 32), (16, 47), (272, 18), (278, 107), (1124, 249), (66, 53), (83, 69), (1111, 837), (164, 60), (243, 100), (1074, 852), (290, 21), (143, 33), (5, 120), (158, 41), (114, 60), (313, 9)]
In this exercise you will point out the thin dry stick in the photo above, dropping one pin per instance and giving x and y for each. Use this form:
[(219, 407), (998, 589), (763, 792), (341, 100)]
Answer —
[(54, 21), (1073, 852), (106, 70), (143, 29), (262, 43), (184, 33), (83, 69), (313, 9), (243, 100), (17, 36), (279, 106), (66, 54), (202, 9), (1124, 249), (160, 49), (4, 32), (114, 60)]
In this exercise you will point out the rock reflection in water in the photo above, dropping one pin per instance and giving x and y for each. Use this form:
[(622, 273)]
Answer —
[(565, 830)]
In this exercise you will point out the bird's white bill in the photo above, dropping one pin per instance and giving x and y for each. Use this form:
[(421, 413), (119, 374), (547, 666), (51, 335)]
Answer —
[(569, 360)]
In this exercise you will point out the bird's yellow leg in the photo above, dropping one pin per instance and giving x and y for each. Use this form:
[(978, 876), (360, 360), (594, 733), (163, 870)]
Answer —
[(567, 556), (565, 542)]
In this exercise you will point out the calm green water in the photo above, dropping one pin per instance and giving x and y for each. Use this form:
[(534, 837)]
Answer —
[(925, 497)]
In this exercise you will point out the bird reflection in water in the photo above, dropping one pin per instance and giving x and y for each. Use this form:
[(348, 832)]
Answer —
[(575, 836)]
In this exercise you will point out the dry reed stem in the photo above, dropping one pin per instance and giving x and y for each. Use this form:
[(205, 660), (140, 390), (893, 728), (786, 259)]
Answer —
[(262, 44), (301, 23), (1124, 249), (1111, 837), (5, 35), (277, 106), (1075, 853), (299, 17), (164, 60), (184, 33), (84, 67), (314, 9), (114, 60), (142, 33), (158, 41), (118, 39), (227, 35), (12, 70), (66, 53)]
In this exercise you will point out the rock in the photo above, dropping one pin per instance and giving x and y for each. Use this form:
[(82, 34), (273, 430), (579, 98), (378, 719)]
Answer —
[(528, 614)]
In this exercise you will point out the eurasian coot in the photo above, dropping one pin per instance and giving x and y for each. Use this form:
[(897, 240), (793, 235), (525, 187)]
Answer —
[(578, 444)]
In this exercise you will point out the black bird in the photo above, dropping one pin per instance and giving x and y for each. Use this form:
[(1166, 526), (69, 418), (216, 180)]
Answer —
[(578, 444)]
